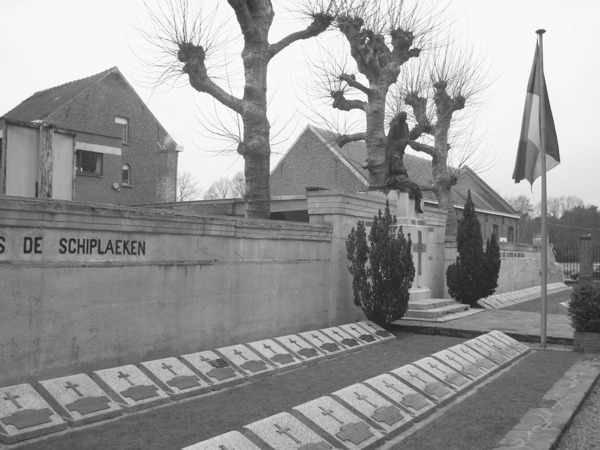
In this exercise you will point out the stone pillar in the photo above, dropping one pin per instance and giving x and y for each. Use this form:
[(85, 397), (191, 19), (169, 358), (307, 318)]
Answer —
[(585, 258)]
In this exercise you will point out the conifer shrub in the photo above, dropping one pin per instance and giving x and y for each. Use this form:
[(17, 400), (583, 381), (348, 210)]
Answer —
[(584, 308), (474, 275), (382, 269)]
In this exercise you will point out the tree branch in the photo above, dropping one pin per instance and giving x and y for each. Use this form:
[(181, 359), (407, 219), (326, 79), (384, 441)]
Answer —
[(419, 107), (401, 42), (342, 103), (350, 80), (345, 138), (419, 147), (319, 24), (244, 19)]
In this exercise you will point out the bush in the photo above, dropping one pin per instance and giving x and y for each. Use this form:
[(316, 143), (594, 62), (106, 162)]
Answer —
[(382, 272), (584, 308)]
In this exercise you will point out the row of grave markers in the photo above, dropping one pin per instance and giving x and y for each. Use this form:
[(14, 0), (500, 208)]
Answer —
[(28, 411), (498, 301), (364, 415)]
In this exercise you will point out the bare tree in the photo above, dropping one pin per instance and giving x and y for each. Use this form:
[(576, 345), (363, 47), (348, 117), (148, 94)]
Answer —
[(187, 188), (521, 204), (238, 185), (557, 206), (220, 189), (187, 43)]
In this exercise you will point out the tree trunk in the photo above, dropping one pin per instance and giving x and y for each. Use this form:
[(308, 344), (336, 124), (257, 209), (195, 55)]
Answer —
[(443, 180), (375, 137)]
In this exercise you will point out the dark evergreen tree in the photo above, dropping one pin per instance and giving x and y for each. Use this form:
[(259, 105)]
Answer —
[(474, 275), (383, 270)]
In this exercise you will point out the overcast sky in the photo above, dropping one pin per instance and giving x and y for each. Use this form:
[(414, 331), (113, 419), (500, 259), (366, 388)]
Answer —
[(46, 43)]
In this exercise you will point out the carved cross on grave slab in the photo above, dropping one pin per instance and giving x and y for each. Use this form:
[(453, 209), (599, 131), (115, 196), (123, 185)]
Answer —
[(175, 378), (306, 352), (474, 357), (488, 352), (323, 342), (342, 338), (233, 440), (375, 329), (498, 346), (358, 333), (81, 400), (425, 383), (215, 367), (25, 414), (285, 431), (502, 337), (340, 423), (131, 386), (274, 352), (460, 364), (443, 372), (248, 362)]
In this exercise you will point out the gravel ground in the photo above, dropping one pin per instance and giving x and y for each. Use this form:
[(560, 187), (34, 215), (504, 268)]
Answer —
[(584, 432)]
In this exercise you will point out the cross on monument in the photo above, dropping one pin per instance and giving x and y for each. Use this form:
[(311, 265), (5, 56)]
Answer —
[(337, 333), (12, 398), (419, 247), (223, 447), (169, 368), (391, 386), (329, 412), (414, 375), (125, 376), (73, 386), (455, 361), (286, 431), (240, 354), (268, 347), (295, 343), (318, 338), (433, 366), (364, 398), (205, 359)]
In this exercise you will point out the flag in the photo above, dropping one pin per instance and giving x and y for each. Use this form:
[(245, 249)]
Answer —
[(528, 165)]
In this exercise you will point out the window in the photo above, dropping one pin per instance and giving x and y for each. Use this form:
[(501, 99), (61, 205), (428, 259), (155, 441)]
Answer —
[(125, 130), (126, 174), (88, 162), (510, 236), (495, 230)]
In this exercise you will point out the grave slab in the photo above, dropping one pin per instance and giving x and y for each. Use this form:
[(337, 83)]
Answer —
[(499, 346), (360, 334), (307, 353), (24, 414), (79, 400), (283, 431), (323, 342), (248, 362), (281, 358), (444, 373), (233, 440), (215, 368), (344, 339), (474, 357), (503, 337), (375, 408), (130, 387), (340, 423), (461, 365), (377, 330), (175, 378), (424, 383), (400, 393), (487, 351)]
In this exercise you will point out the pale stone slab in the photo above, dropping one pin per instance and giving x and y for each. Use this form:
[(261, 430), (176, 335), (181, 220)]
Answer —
[(281, 358), (375, 407), (284, 432), (79, 400), (377, 330), (248, 362), (306, 352), (503, 337), (215, 368), (400, 393), (360, 334), (24, 414), (444, 373), (474, 357), (426, 384), (499, 346), (323, 342), (487, 351), (341, 424), (175, 378), (130, 387), (234, 440), (461, 365), (344, 339)]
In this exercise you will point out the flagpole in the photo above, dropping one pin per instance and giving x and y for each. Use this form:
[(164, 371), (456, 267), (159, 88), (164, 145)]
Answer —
[(544, 290)]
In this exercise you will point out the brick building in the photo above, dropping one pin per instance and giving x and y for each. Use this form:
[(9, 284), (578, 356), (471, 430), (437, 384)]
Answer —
[(120, 153), (316, 161)]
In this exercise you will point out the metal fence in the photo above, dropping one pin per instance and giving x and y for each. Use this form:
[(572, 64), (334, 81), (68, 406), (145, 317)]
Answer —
[(568, 256)]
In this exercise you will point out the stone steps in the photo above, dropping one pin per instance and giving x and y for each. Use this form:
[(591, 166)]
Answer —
[(430, 303), (436, 312)]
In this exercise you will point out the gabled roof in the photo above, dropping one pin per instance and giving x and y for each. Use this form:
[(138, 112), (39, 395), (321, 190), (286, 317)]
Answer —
[(42, 104), (419, 171)]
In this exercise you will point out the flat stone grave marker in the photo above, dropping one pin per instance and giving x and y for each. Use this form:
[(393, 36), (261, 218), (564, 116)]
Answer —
[(434, 389), (24, 414), (175, 378), (215, 368), (341, 337), (233, 440), (251, 365), (461, 365), (444, 373), (467, 353), (377, 330), (400, 393), (487, 351), (503, 337), (130, 387), (323, 342), (340, 423), (281, 358), (360, 334), (305, 351), (283, 431), (375, 407), (79, 400), (499, 346)]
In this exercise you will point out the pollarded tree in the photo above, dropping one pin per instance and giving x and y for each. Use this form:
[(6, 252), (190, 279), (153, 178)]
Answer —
[(185, 37)]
